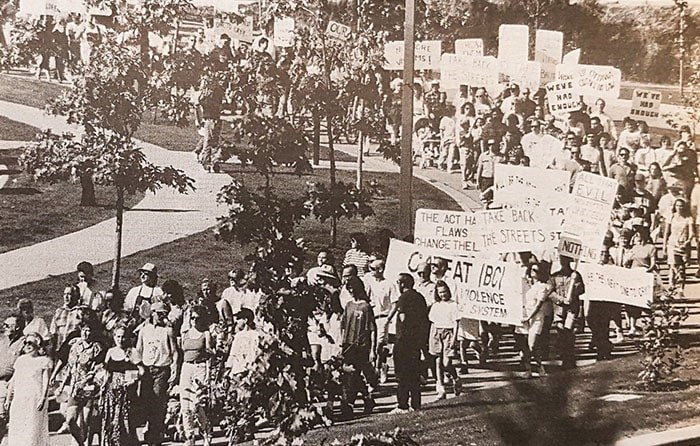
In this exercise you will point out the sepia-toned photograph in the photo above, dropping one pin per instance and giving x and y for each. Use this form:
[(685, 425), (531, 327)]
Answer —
[(349, 222)]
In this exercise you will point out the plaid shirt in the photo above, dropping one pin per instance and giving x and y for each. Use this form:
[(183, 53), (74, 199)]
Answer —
[(64, 321)]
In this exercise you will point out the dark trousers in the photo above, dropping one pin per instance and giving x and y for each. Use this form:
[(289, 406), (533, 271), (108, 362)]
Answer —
[(566, 344), (407, 369), (599, 316), (543, 340), (357, 356), (154, 392)]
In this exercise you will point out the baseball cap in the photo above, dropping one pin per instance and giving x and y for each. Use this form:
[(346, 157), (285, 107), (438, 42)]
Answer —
[(150, 268)]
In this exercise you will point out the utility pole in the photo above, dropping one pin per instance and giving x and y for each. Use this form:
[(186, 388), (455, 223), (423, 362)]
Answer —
[(682, 5), (406, 173)]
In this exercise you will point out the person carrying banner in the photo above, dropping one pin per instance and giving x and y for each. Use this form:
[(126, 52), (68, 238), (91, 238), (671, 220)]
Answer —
[(568, 287), (534, 313)]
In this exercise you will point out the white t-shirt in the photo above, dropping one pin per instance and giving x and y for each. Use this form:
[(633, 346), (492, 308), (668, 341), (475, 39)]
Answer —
[(447, 129), (381, 294), (234, 297), (444, 314), (244, 350)]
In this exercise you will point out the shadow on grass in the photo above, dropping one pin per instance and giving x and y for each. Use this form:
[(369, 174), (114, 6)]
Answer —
[(19, 191)]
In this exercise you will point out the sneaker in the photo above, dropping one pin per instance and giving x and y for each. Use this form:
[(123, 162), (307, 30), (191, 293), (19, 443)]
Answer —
[(542, 371), (441, 395), (618, 339), (64, 429), (398, 411), (528, 374), (458, 387)]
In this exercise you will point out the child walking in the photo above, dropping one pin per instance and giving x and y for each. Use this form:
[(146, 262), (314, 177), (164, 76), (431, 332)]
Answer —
[(444, 318)]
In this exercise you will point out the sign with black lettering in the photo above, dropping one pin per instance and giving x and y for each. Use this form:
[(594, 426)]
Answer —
[(646, 104), (338, 31), (609, 283), (484, 290), (563, 97)]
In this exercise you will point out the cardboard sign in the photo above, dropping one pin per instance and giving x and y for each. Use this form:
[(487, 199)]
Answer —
[(338, 31), (645, 104), (514, 184), (283, 32), (592, 81), (526, 74), (426, 56), (459, 69), (469, 47), (549, 47), (572, 57), (489, 231), (609, 283), (588, 216), (484, 290), (563, 97), (513, 43)]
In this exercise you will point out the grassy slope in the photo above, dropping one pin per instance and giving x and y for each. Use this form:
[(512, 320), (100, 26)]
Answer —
[(190, 259), (16, 131), (561, 409)]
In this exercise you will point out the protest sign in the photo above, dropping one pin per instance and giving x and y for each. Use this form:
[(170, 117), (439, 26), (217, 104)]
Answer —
[(469, 47), (549, 46), (426, 56), (513, 43), (459, 69), (645, 104), (514, 184), (588, 216), (283, 31), (484, 290), (609, 283), (592, 81), (563, 97), (338, 31), (492, 231), (524, 73), (572, 57)]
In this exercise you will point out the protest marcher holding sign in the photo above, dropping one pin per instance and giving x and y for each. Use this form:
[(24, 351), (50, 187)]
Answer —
[(535, 307), (679, 233), (598, 317), (568, 287), (641, 255)]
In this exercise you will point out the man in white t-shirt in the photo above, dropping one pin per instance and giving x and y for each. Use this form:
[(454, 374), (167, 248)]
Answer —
[(448, 128), (605, 120), (139, 299), (383, 295), (235, 293)]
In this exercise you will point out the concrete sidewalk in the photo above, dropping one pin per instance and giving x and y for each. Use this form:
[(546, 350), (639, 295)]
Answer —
[(159, 218)]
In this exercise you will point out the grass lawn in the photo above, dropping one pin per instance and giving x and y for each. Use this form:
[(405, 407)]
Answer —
[(562, 409), (190, 259), (16, 131), (32, 212)]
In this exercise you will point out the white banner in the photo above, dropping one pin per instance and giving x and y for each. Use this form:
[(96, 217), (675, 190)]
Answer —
[(469, 47), (572, 57), (338, 31), (513, 185), (609, 283), (646, 104), (592, 81), (526, 74), (588, 216), (513, 43), (549, 47), (459, 69), (426, 56), (488, 231), (284, 31), (484, 290), (563, 97)]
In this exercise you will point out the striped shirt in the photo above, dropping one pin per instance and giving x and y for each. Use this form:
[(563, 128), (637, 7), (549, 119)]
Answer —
[(358, 258)]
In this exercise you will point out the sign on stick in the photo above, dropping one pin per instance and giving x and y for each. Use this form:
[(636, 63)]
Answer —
[(426, 57), (645, 104), (469, 47), (513, 43), (609, 283)]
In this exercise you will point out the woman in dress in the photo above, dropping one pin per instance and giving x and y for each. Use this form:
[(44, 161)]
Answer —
[(679, 232), (119, 393), (197, 347), (84, 356), (535, 309), (642, 254), (27, 397)]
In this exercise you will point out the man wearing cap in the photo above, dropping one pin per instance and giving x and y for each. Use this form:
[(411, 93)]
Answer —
[(431, 103), (156, 349), (642, 198), (10, 348), (142, 296), (568, 286), (382, 295)]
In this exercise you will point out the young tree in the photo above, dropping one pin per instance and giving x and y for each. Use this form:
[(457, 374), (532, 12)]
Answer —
[(106, 102)]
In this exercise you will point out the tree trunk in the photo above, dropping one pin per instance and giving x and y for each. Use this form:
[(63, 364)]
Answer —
[(360, 154), (87, 195), (331, 159), (316, 138), (143, 47), (116, 263)]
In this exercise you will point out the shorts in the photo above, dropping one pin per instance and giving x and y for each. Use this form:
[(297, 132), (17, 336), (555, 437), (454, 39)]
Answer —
[(382, 330), (468, 330), (440, 342)]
